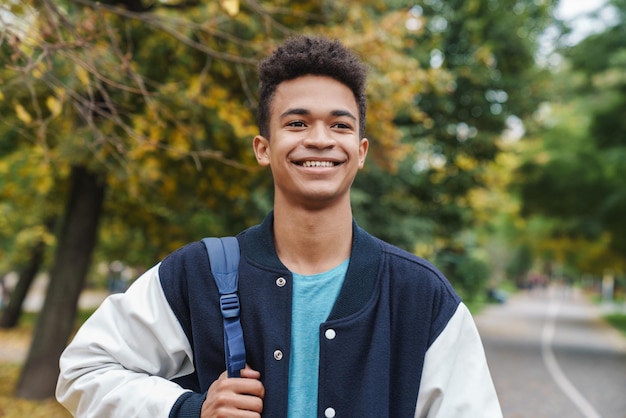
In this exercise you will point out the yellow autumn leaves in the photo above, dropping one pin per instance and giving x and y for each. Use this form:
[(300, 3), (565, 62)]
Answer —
[(22, 114), (230, 6), (53, 104)]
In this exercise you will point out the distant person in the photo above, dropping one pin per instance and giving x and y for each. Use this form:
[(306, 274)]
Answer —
[(337, 323), (115, 278)]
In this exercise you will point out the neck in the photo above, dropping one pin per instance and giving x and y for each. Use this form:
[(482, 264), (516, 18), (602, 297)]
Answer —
[(312, 241)]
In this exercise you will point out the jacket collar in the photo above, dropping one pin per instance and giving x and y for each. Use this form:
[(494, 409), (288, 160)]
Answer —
[(257, 245)]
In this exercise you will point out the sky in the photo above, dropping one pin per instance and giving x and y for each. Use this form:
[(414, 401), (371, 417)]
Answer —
[(573, 11), (571, 8)]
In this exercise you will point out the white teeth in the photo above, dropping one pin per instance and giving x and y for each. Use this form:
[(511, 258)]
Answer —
[(317, 164)]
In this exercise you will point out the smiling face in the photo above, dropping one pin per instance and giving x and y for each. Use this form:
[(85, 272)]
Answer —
[(314, 151)]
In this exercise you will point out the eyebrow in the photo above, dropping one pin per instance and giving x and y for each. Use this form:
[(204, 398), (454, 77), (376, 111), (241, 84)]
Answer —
[(305, 112)]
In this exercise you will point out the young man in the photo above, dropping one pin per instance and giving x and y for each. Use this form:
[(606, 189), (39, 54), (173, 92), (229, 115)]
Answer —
[(336, 322)]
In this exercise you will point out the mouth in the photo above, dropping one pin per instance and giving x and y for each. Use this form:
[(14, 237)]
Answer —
[(317, 163)]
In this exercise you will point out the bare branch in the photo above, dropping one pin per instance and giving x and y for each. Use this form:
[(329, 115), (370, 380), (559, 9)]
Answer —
[(158, 22)]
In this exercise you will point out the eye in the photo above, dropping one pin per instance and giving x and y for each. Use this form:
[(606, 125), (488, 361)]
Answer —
[(342, 125), (296, 124)]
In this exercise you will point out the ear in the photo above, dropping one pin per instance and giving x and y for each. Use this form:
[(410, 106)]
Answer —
[(363, 147), (261, 147)]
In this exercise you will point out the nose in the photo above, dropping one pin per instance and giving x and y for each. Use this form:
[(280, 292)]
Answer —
[(319, 136)]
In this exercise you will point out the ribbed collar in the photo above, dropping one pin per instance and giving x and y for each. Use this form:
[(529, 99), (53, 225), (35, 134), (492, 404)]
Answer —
[(257, 245)]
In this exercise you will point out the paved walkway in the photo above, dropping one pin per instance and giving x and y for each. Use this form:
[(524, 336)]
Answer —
[(34, 300), (14, 347), (551, 355)]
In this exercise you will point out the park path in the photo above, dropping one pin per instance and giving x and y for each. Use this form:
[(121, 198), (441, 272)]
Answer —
[(552, 356), (14, 346)]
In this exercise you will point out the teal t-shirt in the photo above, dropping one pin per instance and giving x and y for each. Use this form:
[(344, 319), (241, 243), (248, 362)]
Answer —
[(313, 299)]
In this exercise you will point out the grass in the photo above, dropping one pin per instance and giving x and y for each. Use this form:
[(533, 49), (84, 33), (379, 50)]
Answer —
[(618, 320), (12, 407), (16, 342)]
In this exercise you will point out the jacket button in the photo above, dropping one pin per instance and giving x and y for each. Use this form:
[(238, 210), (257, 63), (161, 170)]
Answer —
[(330, 334), (278, 355), (280, 282), (329, 413)]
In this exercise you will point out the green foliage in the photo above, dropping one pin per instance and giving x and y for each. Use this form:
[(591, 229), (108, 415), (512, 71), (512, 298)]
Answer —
[(576, 177), (468, 272), (520, 264), (396, 195), (162, 103), (477, 72), (158, 99)]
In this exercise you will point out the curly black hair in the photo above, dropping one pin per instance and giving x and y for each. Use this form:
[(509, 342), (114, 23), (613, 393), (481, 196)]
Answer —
[(305, 55)]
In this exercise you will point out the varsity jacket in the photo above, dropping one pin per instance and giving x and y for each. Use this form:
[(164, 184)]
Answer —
[(398, 342)]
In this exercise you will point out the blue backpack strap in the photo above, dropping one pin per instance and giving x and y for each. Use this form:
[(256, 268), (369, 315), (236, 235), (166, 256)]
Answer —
[(224, 257)]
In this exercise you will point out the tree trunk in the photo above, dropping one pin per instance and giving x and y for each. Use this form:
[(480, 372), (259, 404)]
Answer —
[(55, 322), (11, 314)]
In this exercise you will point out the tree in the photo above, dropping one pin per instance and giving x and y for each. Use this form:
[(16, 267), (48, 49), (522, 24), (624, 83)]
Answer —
[(88, 141), (580, 162), (94, 88), (26, 218), (67, 276), (486, 77), (12, 312)]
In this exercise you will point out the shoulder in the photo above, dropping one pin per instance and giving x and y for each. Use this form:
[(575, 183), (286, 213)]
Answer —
[(418, 284), (400, 256), (189, 251), (183, 271), (410, 267), (184, 260)]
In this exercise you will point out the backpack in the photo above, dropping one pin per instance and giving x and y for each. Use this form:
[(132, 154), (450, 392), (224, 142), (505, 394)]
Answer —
[(224, 259)]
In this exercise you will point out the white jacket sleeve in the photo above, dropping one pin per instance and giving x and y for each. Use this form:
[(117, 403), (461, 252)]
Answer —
[(120, 361), (455, 380)]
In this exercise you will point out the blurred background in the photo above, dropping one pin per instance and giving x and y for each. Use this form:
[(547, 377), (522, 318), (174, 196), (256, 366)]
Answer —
[(497, 132)]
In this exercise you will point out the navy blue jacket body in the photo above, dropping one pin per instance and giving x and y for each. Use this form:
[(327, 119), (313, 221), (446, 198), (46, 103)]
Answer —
[(391, 308)]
